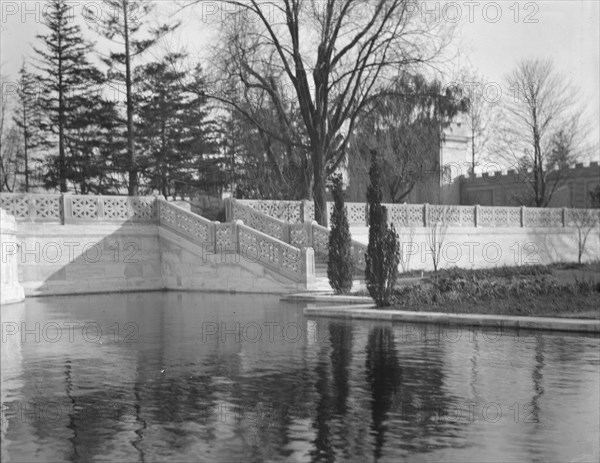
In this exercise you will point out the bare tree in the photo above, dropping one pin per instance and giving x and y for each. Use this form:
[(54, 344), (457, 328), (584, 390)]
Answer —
[(480, 117), (9, 142), (335, 54), (542, 128), (584, 220), (267, 116), (437, 227), (406, 238)]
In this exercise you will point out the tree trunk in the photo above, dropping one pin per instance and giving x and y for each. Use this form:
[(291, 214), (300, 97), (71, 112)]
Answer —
[(61, 128), (26, 148), (319, 194), (133, 173)]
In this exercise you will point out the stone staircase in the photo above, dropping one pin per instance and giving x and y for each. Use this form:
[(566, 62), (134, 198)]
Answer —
[(322, 282)]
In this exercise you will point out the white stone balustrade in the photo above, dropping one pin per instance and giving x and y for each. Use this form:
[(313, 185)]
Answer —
[(253, 245), (198, 229), (258, 220), (275, 218), (288, 211), (70, 209)]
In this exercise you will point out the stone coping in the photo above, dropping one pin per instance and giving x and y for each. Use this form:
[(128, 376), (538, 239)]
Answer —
[(327, 297), (368, 312)]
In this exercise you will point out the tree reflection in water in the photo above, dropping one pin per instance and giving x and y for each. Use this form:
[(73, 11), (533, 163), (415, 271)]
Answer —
[(384, 376)]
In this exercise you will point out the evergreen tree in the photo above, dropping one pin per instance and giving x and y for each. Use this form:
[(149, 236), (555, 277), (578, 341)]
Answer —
[(122, 22), (340, 267), (90, 146), (173, 129), (27, 120), (197, 135), (70, 93), (382, 256)]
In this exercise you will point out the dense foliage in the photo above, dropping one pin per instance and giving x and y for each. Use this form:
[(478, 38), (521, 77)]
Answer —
[(340, 267), (383, 256), (481, 287)]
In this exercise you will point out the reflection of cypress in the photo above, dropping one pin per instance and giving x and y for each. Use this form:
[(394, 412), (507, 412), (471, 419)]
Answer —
[(69, 391), (332, 398), (323, 449), (538, 377), (383, 374), (341, 357)]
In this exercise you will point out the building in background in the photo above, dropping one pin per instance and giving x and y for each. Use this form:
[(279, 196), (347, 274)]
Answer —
[(509, 189), (441, 183)]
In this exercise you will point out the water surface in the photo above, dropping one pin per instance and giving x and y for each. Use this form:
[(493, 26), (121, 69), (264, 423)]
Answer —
[(151, 377)]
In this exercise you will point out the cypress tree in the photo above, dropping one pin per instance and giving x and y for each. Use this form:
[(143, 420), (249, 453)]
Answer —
[(340, 267), (383, 255)]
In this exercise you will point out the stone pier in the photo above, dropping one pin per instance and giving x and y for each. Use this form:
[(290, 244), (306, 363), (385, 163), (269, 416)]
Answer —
[(10, 291)]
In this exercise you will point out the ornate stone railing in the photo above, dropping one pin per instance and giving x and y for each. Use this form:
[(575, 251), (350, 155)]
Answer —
[(319, 239), (487, 216), (284, 258), (199, 230), (33, 208), (582, 217), (302, 211), (287, 211), (298, 235), (70, 209), (258, 220), (237, 237), (357, 213), (420, 215), (405, 215)]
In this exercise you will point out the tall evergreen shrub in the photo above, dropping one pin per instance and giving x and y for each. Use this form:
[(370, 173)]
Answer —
[(340, 268)]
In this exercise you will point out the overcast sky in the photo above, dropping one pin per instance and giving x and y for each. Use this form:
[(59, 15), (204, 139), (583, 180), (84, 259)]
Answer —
[(492, 36)]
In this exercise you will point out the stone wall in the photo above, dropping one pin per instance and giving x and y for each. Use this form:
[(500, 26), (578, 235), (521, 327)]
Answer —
[(186, 266), (470, 247), (510, 189), (76, 259), (56, 259), (10, 289), (71, 244)]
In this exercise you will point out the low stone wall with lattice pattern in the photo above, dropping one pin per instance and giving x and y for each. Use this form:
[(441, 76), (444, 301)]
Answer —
[(413, 214), (71, 244)]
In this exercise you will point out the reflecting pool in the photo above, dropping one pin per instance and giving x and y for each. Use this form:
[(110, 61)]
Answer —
[(154, 377)]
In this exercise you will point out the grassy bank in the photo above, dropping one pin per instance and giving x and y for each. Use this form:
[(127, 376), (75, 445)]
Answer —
[(550, 291)]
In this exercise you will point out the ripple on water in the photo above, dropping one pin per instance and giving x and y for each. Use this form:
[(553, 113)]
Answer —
[(346, 391)]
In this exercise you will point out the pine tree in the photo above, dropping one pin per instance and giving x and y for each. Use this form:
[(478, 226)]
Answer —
[(27, 119), (382, 256), (340, 267), (70, 93), (197, 135), (122, 22), (173, 128), (90, 147)]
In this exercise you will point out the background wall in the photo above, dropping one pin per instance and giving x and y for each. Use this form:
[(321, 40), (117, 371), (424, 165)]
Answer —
[(505, 190), (469, 247)]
